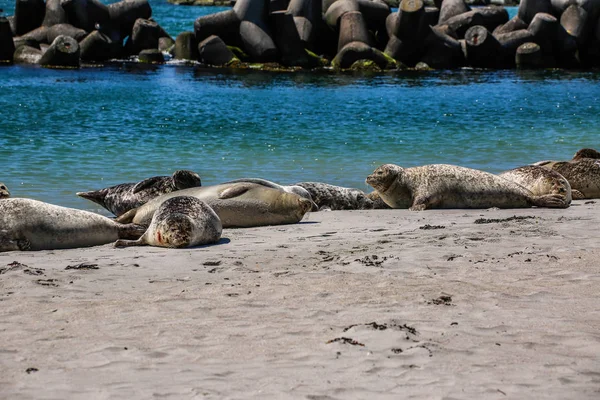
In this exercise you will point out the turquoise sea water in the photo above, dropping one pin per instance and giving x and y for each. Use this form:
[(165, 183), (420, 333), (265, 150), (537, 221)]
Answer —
[(64, 131)]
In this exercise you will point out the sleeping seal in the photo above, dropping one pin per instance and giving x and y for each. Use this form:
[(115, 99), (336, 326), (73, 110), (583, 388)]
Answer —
[(540, 181), (4, 193), (238, 205), (27, 224), (300, 191), (121, 198), (181, 221), (450, 186), (333, 197), (583, 176), (586, 153)]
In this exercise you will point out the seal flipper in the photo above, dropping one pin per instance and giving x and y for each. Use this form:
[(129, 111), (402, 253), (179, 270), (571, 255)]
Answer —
[(577, 195), (131, 231), (234, 191), (127, 217), (550, 201), (97, 196), (126, 243), (146, 183)]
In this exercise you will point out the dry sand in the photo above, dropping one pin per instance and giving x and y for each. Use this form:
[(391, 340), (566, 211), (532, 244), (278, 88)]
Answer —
[(345, 305)]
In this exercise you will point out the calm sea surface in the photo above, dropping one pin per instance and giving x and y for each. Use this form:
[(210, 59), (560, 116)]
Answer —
[(65, 131)]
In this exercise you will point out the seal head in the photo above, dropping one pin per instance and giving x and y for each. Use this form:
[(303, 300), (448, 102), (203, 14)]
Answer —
[(4, 193)]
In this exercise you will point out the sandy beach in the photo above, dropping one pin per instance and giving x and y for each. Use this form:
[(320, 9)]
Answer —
[(442, 304)]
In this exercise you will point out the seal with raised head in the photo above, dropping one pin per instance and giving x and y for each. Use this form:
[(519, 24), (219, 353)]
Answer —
[(238, 205), (450, 186), (540, 181), (333, 197), (181, 221), (4, 193), (27, 224), (583, 176), (121, 198)]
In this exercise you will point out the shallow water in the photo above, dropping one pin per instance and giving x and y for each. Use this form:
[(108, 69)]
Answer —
[(65, 131)]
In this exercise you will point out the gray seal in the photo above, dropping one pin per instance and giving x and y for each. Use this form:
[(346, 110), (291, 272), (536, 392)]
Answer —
[(450, 186), (238, 205), (121, 198), (4, 193), (179, 222), (583, 175), (540, 181), (333, 197), (586, 153), (27, 224)]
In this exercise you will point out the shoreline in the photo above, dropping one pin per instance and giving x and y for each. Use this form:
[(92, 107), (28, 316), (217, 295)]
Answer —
[(345, 304)]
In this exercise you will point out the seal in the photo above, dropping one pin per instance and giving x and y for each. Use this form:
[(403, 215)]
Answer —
[(27, 224), (299, 190), (181, 221), (238, 205), (450, 186), (540, 181), (586, 153), (121, 198), (378, 203), (333, 197), (4, 193), (583, 175)]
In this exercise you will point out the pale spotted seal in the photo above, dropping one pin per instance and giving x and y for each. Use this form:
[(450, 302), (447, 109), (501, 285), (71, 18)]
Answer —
[(299, 190), (450, 186), (121, 198), (238, 205), (27, 224), (4, 193), (333, 197), (583, 175), (540, 181), (181, 221)]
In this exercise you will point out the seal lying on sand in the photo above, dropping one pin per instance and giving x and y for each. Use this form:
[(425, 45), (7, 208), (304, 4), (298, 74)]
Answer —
[(333, 197), (238, 205), (586, 153), (450, 186), (27, 224), (299, 190), (540, 181), (121, 198), (181, 221), (4, 193), (583, 176)]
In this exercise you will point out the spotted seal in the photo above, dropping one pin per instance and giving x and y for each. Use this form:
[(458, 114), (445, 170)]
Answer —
[(4, 193), (121, 198), (27, 224), (181, 221), (450, 186), (586, 153), (583, 175), (540, 181), (333, 197), (299, 190), (242, 204)]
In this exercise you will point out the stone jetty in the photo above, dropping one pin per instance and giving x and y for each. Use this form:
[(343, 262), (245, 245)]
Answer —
[(335, 34)]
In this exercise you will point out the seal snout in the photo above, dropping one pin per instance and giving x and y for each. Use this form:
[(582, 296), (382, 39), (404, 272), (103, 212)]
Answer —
[(4, 193)]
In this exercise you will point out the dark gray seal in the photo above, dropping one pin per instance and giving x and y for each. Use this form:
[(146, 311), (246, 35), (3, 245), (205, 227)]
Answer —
[(540, 181), (586, 153), (27, 224), (121, 198), (4, 193), (238, 205), (333, 197), (583, 175), (179, 222), (450, 186)]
